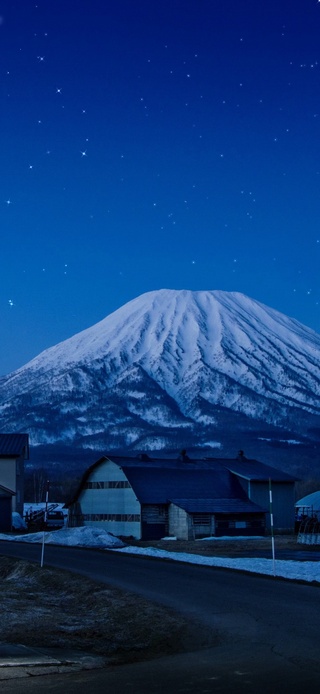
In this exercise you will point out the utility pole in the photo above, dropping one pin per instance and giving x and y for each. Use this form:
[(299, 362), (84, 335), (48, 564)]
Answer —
[(45, 523), (271, 525)]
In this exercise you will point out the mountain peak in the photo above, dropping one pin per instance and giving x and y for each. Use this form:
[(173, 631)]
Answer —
[(169, 359)]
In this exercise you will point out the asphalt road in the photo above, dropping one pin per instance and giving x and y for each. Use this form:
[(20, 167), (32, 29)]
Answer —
[(268, 628)]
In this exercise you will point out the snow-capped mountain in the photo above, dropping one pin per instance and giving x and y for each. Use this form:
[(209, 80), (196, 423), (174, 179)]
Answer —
[(168, 368)]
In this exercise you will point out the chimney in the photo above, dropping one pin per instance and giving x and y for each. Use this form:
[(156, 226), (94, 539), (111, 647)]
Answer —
[(183, 456)]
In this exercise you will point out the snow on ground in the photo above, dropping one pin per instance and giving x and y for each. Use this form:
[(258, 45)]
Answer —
[(17, 522), (72, 537), (297, 570), (95, 537)]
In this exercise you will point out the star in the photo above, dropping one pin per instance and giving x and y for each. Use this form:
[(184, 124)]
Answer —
[(58, 90), (84, 153)]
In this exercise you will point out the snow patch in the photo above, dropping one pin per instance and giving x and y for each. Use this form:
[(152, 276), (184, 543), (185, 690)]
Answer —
[(72, 537)]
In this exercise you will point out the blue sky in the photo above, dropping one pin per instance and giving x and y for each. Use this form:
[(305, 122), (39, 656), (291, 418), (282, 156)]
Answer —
[(155, 144)]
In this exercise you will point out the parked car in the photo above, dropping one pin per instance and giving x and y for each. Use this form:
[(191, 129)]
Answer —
[(55, 519)]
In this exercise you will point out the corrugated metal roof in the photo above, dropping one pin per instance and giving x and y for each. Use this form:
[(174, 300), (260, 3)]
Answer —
[(253, 470), (13, 445), (218, 506), (248, 469), (244, 467), (158, 485)]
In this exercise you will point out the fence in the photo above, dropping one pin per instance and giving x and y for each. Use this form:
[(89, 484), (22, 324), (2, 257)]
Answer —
[(309, 531)]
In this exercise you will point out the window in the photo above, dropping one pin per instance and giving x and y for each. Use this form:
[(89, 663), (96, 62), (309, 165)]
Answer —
[(112, 484), (118, 517), (201, 519)]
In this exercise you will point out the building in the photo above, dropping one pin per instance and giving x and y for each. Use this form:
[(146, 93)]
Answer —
[(256, 478), (186, 498), (5, 509), (309, 505), (14, 450)]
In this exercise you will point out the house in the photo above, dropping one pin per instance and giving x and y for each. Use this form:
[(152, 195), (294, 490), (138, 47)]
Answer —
[(186, 498), (14, 450)]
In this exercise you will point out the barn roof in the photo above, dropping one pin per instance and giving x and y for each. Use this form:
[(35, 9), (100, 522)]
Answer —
[(142, 468), (247, 468), (14, 445), (159, 485), (255, 471), (218, 506)]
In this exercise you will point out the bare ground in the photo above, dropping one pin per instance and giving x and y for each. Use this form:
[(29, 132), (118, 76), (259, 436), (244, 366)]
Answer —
[(51, 608), (228, 548)]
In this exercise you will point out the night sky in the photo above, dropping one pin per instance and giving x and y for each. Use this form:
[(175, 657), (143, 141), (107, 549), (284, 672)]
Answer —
[(150, 144)]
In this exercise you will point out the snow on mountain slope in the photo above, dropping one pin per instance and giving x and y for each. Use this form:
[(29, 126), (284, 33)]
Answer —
[(170, 358)]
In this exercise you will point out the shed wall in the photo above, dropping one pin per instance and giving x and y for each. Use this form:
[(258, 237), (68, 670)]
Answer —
[(282, 503), (178, 522)]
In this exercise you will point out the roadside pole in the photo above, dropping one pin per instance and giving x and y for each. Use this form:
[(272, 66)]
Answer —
[(271, 524), (44, 523)]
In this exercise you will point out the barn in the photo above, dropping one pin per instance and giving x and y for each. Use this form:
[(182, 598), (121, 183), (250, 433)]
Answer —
[(186, 498)]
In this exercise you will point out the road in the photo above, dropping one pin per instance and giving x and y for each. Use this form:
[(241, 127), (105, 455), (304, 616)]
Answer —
[(268, 628)]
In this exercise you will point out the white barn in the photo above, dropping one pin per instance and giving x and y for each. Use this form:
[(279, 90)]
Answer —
[(149, 499)]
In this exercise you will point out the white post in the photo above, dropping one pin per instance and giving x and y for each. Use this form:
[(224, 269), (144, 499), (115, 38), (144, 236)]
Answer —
[(271, 524), (44, 524)]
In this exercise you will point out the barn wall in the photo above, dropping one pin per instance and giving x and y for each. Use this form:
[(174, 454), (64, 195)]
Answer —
[(282, 503), (114, 508)]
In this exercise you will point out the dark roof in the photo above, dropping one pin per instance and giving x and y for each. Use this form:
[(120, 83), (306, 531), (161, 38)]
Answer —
[(5, 491), (158, 485), (14, 445), (249, 469), (244, 467), (218, 506), (253, 470)]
